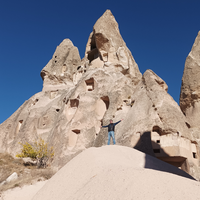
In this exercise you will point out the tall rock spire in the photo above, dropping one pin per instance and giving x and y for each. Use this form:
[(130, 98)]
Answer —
[(190, 88), (58, 73), (106, 48)]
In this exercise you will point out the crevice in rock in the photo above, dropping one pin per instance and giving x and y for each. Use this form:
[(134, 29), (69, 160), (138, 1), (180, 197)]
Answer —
[(157, 129), (19, 126), (188, 125), (43, 74), (93, 54), (93, 43), (106, 101), (76, 131), (78, 67)]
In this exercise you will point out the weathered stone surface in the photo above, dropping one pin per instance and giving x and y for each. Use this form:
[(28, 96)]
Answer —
[(58, 73), (154, 114), (76, 98), (190, 94), (79, 96), (190, 88), (106, 48)]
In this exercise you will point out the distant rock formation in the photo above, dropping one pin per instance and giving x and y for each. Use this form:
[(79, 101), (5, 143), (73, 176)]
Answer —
[(78, 96)]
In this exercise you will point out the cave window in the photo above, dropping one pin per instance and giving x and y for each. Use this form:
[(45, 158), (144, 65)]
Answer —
[(93, 54), (156, 150), (64, 68), (106, 101), (76, 131), (93, 43), (19, 126), (78, 67), (74, 103), (157, 129), (57, 110), (158, 141), (194, 155), (90, 84)]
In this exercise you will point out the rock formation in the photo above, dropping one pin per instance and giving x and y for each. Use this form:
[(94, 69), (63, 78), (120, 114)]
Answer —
[(190, 92), (78, 96)]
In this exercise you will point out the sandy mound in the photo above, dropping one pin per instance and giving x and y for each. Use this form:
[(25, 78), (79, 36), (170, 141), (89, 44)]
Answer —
[(117, 172), (25, 193)]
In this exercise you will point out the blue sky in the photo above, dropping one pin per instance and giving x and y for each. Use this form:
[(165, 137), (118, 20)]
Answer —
[(159, 33)]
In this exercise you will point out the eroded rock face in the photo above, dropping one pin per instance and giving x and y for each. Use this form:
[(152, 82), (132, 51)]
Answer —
[(190, 88), (79, 96), (156, 125), (58, 73), (106, 48)]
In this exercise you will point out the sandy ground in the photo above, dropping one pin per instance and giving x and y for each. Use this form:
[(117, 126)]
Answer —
[(115, 173), (25, 193)]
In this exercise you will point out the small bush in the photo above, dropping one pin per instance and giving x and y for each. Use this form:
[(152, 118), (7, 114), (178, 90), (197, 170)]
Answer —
[(27, 151), (39, 151)]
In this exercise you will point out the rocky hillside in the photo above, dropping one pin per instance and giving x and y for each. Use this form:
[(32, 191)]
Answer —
[(79, 96)]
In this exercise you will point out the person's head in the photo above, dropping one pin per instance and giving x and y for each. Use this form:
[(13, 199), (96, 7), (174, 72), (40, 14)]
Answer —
[(111, 121)]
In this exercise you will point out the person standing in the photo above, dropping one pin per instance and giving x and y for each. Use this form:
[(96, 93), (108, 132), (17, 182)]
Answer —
[(111, 130)]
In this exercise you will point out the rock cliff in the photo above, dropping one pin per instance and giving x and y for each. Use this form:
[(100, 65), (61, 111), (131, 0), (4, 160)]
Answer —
[(79, 96)]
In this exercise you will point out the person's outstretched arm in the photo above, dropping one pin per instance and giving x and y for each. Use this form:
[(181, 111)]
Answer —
[(104, 126), (118, 122)]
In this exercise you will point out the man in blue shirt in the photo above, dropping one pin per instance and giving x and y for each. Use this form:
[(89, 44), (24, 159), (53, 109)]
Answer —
[(111, 129)]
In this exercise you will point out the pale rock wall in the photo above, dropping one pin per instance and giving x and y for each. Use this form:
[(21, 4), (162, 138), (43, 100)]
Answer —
[(190, 88), (79, 96), (106, 48)]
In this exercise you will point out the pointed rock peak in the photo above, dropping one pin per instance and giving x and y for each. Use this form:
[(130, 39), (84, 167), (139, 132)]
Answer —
[(190, 88), (59, 71), (151, 79), (66, 42), (106, 48), (107, 20), (196, 48)]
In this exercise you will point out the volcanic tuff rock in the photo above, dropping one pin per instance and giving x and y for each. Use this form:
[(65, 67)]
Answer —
[(190, 88), (76, 97), (106, 48), (58, 73), (79, 96)]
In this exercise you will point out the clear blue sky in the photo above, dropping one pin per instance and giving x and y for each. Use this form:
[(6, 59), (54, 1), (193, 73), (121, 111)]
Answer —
[(159, 33)]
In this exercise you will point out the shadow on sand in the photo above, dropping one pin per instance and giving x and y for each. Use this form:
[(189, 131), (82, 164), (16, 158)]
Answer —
[(151, 162)]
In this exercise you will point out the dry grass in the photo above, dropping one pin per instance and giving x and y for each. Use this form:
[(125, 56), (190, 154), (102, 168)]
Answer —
[(27, 174)]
